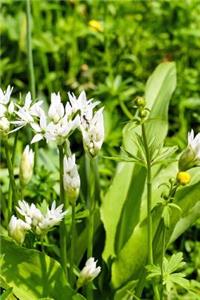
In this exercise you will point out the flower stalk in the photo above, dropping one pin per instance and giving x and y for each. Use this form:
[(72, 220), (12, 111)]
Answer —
[(63, 230), (149, 205), (12, 194), (73, 235)]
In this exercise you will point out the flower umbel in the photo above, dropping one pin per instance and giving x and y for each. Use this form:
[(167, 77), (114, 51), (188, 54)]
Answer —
[(88, 273), (191, 155), (36, 220)]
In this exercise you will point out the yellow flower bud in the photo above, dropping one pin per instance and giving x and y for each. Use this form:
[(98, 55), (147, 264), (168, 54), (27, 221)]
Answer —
[(95, 25), (183, 178)]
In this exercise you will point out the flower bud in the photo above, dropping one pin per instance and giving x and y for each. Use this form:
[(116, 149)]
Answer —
[(88, 273), (4, 126), (142, 113), (17, 229), (26, 166), (93, 133), (183, 178), (191, 155), (140, 102), (71, 179)]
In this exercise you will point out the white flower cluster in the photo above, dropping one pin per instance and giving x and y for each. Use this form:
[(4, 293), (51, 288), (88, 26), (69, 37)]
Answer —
[(61, 121), (71, 179), (34, 219), (6, 109), (58, 123), (88, 273)]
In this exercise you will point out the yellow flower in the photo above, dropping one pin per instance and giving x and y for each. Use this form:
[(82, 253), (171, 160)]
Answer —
[(183, 178), (96, 25)]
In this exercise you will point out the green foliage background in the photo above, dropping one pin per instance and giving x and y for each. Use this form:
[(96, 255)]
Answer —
[(112, 65)]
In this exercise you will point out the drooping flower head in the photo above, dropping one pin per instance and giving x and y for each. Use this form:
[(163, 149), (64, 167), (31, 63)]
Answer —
[(191, 155)]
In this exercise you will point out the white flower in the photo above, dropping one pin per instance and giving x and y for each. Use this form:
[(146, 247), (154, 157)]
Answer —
[(52, 218), (82, 105), (27, 112), (191, 155), (56, 109), (40, 129), (60, 131), (5, 109), (17, 229), (31, 213), (71, 179), (93, 132), (5, 96), (194, 143), (89, 272), (40, 222), (26, 165)]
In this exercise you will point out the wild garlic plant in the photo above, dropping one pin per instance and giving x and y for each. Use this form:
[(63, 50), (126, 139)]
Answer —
[(152, 199), (56, 126)]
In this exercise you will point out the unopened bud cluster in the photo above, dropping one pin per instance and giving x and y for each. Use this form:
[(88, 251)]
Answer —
[(142, 111)]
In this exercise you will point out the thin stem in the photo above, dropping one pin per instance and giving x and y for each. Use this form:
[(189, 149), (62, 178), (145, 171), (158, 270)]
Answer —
[(31, 69), (12, 194), (90, 203), (73, 233), (149, 197), (29, 48), (162, 261), (149, 207), (14, 147), (63, 230)]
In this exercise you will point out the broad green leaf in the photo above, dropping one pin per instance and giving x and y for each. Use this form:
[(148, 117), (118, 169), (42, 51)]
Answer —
[(186, 221), (120, 209), (31, 274), (112, 205)]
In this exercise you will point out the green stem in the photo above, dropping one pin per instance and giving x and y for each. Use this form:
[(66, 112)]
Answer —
[(90, 204), (149, 197), (149, 206), (63, 229), (31, 69), (29, 48), (162, 261), (14, 147), (12, 194), (73, 235)]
